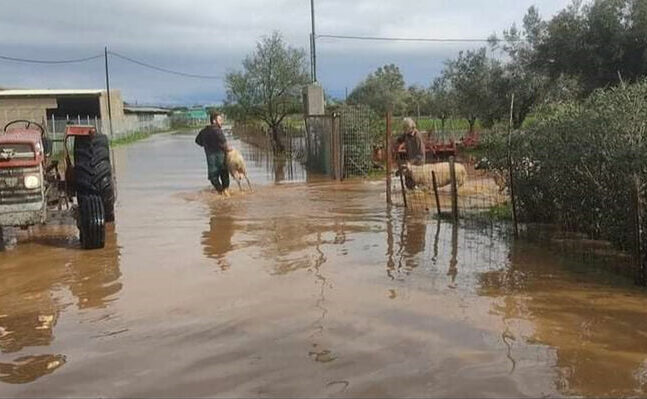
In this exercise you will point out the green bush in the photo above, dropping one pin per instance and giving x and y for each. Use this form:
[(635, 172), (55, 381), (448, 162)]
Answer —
[(576, 162)]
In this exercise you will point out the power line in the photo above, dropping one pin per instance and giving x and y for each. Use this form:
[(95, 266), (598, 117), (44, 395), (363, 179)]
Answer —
[(407, 39), (160, 69), (32, 61)]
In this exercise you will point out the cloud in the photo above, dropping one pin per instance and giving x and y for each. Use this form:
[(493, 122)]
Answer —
[(212, 37)]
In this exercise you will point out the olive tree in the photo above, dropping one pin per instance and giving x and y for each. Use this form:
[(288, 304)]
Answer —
[(442, 100), (382, 90), (478, 86), (269, 86)]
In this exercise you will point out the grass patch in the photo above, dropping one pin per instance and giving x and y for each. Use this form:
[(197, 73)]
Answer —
[(376, 173), (132, 138), (501, 212)]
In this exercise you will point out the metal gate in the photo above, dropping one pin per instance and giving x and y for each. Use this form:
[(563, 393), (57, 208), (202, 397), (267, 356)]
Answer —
[(356, 140), (340, 145), (322, 145)]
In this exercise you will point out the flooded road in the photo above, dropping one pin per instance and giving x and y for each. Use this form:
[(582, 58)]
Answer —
[(303, 288)]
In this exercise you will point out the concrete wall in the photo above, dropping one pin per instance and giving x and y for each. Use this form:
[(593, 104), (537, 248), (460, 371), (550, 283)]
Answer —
[(313, 100), (33, 109), (116, 109), (132, 123)]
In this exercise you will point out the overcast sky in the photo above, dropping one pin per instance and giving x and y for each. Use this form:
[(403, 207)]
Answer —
[(211, 37)]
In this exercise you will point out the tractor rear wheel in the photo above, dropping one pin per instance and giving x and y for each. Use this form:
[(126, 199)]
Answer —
[(93, 172), (91, 222)]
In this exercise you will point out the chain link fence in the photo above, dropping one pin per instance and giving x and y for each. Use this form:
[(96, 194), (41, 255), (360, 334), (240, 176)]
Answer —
[(357, 139), (341, 144), (293, 138)]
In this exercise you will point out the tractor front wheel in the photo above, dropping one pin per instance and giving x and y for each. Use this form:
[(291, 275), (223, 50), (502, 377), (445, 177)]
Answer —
[(91, 222)]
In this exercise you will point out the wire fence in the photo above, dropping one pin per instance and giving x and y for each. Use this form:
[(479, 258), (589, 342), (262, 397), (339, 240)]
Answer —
[(479, 194), (357, 141), (484, 200), (577, 179), (342, 144), (292, 138), (122, 128)]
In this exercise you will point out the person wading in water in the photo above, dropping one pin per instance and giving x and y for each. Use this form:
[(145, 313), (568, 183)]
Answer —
[(214, 142)]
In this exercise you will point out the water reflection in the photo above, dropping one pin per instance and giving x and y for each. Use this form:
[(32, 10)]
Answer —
[(31, 301), (597, 330), (414, 238), (411, 244), (434, 258), (30, 368), (217, 241), (390, 250), (453, 261), (319, 354)]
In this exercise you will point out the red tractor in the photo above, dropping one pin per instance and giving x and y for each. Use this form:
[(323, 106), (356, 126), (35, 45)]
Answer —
[(31, 185)]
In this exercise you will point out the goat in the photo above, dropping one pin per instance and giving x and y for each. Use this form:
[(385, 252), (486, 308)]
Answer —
[(421, 175), (237, 168)]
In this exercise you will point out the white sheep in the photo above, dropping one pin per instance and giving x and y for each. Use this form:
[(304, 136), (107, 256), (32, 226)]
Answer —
[(421, 175), (237, 168)]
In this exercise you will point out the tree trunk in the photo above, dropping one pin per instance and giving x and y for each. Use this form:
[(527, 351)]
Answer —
[(471, 121), (521, 114), (276, 141)]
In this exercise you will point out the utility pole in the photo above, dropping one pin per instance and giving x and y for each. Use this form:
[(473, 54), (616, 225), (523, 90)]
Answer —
[(314, 38), (312, 74), (105, 53)]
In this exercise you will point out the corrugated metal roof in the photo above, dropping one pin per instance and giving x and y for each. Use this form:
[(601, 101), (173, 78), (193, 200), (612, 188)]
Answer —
[(49, 92), (197, 113)]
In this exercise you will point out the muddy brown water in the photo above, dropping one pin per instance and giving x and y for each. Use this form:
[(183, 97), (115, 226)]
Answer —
[(303, 288)]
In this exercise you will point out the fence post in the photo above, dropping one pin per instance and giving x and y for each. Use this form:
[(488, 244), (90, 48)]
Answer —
[(336, 142), (452, 177), (512, 197), (641, 259), (435, 186), (402, 187), (388, 160)]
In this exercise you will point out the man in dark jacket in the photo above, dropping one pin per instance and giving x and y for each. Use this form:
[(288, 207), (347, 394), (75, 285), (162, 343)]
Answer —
[(214, 142)]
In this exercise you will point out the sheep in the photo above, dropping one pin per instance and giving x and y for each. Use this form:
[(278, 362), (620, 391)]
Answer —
[(421, 175), (237, 168)]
